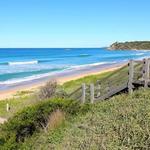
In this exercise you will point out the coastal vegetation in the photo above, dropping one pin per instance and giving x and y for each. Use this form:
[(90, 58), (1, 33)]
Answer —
[(57, 122), (120, 123), (136, 45), (31, 119)]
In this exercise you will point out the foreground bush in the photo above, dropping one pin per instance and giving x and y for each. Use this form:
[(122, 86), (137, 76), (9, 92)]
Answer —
[(32, 119)]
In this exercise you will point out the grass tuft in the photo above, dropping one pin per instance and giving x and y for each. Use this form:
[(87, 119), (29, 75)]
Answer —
[(54, 120)]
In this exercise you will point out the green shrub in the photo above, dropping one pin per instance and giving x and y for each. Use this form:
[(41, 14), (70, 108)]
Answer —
[(31, 119)]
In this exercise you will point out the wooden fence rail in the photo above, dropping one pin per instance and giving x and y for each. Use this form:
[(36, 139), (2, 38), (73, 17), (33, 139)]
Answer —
[(138, 75)]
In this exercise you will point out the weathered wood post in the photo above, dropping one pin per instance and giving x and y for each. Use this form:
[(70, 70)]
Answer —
[(131, 75), (98, 88), (92, 93), (83, 93), (7, 107), (143, 69), (146, 72)]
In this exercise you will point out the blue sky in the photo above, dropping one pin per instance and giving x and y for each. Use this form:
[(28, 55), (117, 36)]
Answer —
[(72, 23)]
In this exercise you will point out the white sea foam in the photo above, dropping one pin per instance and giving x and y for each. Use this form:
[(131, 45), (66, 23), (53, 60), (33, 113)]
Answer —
[(139, 54), (25, 79), (90, 65), (23, 63), (84, 55)]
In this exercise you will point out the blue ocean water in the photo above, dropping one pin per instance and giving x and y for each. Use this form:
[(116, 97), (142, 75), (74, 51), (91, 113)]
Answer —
[(17, 65)]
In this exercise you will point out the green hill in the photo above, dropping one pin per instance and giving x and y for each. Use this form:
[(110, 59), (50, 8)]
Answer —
[(122, 122), (137, 45)]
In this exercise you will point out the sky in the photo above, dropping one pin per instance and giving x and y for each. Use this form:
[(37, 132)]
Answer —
[(72, 23)]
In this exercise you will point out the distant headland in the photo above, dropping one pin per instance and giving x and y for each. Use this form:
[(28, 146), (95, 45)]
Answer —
[(135, 45)]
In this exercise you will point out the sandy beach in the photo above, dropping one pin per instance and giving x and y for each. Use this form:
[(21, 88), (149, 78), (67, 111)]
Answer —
[(10, 93)]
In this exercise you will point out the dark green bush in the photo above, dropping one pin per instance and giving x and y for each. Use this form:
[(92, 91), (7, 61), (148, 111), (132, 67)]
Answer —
[(31, 119)]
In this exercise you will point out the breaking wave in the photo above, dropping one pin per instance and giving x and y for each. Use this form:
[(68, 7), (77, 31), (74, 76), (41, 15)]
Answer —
[(90, 65), (22, 63)]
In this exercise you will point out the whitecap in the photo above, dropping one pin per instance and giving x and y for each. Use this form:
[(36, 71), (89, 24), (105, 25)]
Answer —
[(22, 63)]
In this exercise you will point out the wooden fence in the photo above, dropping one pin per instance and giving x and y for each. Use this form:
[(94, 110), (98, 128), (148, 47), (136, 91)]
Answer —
[(143, 73), (137, 74)]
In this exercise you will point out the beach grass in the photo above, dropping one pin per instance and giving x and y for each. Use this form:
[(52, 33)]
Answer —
[(114, 77), (17, 103)]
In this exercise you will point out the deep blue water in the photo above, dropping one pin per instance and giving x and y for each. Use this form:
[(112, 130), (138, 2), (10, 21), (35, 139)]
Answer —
[(18, 65)]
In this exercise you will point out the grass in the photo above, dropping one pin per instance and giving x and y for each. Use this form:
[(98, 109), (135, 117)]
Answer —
[(54, 120), (123, 122), (122, 73), (21, 100)]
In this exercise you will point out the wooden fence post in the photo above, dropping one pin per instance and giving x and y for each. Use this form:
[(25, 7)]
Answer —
[(146, 72), (131, 75), (7, 107), (83, 93), (92, 93), (98, 88)]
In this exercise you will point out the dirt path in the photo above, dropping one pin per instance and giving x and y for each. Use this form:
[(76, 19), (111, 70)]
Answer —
[(2, 120)]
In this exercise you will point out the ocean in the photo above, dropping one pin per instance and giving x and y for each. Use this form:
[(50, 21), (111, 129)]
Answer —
[(18, 65)]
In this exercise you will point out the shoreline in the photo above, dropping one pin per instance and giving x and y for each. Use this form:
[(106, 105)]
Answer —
[(60, 78)]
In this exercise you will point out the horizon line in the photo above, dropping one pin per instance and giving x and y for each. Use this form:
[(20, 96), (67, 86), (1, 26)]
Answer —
[(49, 47)]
